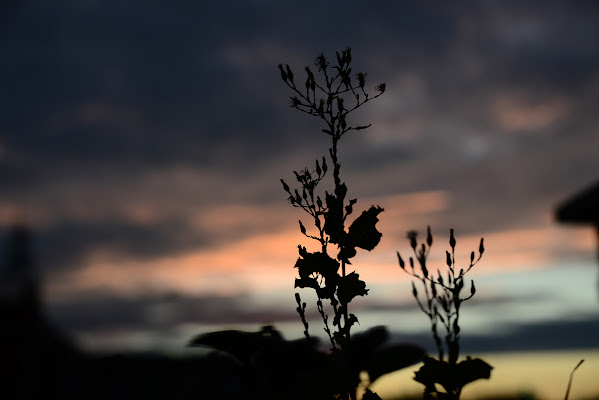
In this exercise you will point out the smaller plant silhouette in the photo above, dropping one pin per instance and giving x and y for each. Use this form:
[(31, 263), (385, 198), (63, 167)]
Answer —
[(442, 304)]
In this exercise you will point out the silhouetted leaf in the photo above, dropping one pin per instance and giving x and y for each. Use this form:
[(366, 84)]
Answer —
[(391, 358), (362, 232), (349, 287), (452, 377), (346, 253), (472, 369), (307, 282), (433, 371), (320, 263), (350, 207), (237, 343)]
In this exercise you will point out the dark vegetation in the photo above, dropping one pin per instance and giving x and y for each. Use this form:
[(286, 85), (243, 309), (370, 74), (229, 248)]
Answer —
[(327, 269), (332, 98), (39, 362)]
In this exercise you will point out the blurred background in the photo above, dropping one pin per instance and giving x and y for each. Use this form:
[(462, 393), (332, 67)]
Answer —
[(142, 143)]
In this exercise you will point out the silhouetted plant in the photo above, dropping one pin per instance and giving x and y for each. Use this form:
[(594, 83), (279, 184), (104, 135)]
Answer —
[(442, 302), (331, 98)]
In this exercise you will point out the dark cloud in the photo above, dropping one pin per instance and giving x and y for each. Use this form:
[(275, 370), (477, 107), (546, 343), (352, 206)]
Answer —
[(552, 335), (65, 246), (115, 83), (535, 336), (103, 310)]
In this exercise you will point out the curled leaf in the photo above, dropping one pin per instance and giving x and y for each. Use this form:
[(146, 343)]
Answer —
[(350, 207), (306, 282), (320, 263), (363, 233), (349, 287), (346, 253), (452, 377)]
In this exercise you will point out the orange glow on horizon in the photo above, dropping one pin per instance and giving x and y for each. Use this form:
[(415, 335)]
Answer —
[(263, 262)]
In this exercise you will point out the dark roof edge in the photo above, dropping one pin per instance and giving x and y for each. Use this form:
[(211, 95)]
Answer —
[(582, 208)]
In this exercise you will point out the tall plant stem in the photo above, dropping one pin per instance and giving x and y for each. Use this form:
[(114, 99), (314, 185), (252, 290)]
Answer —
[(337, 181)]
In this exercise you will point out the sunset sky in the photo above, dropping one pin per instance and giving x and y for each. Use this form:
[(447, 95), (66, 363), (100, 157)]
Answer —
[(144, 142)]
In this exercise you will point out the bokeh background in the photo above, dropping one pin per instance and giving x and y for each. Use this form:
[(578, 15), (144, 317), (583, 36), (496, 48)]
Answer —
[(143, 143)]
